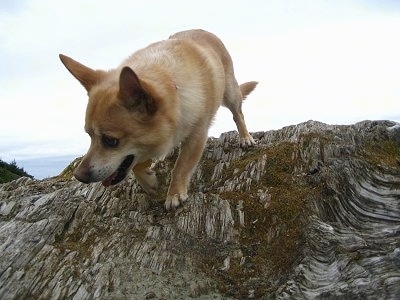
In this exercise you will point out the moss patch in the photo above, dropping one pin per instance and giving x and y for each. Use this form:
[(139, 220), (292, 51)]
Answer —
[(272, 237), (381, 152)]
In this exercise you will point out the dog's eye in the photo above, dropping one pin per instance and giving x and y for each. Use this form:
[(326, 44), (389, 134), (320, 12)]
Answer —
[(109, 141)]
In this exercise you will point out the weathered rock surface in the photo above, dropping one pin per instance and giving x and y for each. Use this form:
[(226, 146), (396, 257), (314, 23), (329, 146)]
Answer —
[(312, 211)]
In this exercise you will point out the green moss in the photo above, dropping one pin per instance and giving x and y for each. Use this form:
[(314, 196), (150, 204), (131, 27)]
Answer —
[(272, 238), (381, 153), (207, 167)]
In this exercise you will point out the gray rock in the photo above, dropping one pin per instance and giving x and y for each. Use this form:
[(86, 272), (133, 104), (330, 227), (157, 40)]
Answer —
[(312, 211)]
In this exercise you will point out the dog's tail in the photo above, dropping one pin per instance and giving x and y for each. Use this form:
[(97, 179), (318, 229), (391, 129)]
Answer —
[(247, 87)]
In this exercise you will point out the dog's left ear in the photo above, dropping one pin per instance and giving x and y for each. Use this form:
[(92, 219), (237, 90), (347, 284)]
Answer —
[(85, 75), (133, 95)]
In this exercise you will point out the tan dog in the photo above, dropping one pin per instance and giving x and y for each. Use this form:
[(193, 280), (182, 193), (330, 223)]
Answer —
[(162, 96)]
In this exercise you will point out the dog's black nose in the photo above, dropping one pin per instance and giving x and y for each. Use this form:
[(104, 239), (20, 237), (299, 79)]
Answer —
[(82, 175)]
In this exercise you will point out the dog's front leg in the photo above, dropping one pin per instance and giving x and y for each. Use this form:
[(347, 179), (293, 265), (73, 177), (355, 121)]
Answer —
[(189, 156), (146, 177)]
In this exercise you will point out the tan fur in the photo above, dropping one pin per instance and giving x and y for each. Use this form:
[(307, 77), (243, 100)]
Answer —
[(162, 96)]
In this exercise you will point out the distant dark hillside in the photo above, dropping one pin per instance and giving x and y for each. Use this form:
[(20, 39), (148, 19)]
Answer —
[(10, 171)]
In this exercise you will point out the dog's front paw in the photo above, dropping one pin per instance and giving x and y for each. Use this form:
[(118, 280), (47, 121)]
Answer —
[(247, 141), (173, 201)]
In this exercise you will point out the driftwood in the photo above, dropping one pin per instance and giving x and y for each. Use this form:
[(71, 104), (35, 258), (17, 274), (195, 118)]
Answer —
[(312, 211)]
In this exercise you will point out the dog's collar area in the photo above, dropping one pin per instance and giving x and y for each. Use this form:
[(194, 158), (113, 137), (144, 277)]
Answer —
[(120, 173)]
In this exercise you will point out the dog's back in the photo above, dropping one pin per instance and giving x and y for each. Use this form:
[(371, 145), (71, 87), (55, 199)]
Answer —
[(210, 41), (233, 93)]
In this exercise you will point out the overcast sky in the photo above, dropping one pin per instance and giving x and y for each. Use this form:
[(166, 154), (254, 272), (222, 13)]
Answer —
[(333, 61)]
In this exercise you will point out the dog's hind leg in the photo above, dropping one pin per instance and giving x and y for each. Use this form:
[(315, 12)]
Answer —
[(233, 98), (189, 156)]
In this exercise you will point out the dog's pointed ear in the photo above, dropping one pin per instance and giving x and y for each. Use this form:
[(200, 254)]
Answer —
[(133, 95), (85, 75)]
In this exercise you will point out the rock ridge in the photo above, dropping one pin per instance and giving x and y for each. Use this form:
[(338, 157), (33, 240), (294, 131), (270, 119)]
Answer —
[(312, 211)]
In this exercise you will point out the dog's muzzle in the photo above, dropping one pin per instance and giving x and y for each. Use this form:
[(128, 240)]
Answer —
[(120, 173)]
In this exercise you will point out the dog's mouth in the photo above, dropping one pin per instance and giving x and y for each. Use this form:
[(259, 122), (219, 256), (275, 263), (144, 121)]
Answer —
[(120, 173)]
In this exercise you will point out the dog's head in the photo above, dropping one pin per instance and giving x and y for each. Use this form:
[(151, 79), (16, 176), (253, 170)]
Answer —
[(122, 121)]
